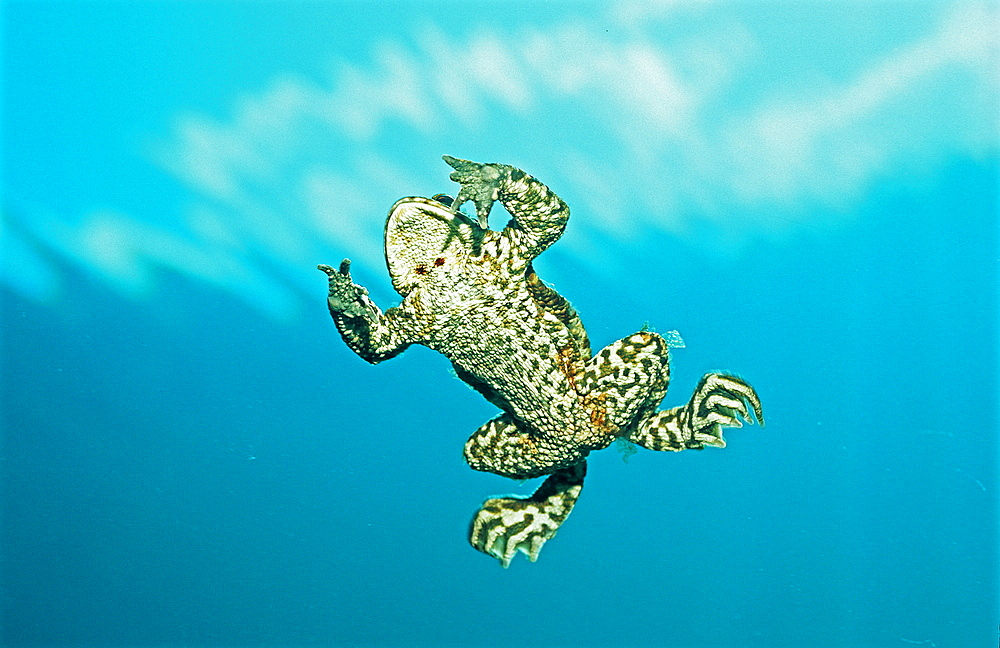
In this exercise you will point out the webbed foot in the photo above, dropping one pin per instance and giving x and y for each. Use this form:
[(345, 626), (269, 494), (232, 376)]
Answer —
[(480, 185), (720, 401), (506, 525)]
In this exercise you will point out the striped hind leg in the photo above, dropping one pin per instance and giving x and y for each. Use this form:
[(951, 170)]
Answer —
[(719, 401), (506, 525), (504, 447), (625, 381)]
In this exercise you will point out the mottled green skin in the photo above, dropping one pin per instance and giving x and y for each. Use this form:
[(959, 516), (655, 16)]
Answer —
[(471, 294)]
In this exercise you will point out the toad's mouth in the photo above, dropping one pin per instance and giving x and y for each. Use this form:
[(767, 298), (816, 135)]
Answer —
[(444, 199), (439, 208)]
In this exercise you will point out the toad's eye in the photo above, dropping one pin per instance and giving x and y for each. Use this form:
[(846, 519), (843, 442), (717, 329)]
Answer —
[(444, 199), (439, 261)]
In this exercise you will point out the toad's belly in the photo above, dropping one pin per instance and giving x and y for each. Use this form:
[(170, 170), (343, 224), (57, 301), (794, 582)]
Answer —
[(529, 364)]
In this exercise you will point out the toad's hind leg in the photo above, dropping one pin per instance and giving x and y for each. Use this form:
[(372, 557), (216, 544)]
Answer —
[(505, 447), (719, 401), (506, 525), (625, 382)]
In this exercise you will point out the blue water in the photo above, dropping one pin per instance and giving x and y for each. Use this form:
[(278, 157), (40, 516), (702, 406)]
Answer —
[(194, 458)]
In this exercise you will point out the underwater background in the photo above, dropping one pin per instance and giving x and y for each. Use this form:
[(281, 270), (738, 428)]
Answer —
[(191, 456)]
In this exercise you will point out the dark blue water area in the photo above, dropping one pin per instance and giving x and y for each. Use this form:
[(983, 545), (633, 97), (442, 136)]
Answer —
[(182, 471)]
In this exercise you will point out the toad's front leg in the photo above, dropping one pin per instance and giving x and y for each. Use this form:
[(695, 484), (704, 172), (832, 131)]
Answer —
[(480, 185), (540, 215), (345, 297), (372, 334)]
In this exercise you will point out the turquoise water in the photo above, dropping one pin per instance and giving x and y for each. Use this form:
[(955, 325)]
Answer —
[(192, 457)]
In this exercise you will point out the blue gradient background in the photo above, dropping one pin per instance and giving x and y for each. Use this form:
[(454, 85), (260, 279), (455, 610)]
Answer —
[(191, 456)]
